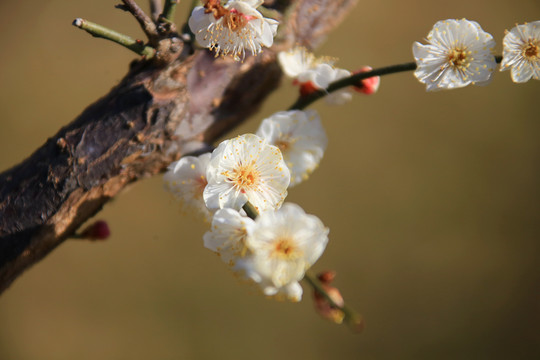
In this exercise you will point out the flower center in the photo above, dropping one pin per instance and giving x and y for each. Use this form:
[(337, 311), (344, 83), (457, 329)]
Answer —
[(283, 144), (245, 176), (285, 248), (458, 57), (234, 20), (531, 50)]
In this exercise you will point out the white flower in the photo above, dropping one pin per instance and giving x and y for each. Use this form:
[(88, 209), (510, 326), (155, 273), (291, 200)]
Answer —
[(232, 28), (458, 53), (299, 60), (243, 169), (521, 52), (340, 96), (284, 244), (186, 179), (313, 73), (228, 235), (301, 138)]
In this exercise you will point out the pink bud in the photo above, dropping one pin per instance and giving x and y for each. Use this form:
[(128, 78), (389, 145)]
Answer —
[(322, 306), (97, 231), (367, 86)]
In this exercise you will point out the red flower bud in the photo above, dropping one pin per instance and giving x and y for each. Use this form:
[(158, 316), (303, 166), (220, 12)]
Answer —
[(97, 231), (367, 86)]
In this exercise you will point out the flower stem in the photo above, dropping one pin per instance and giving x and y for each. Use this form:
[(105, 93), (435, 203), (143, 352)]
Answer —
[(250, 210), (100, 31), (354, 320)]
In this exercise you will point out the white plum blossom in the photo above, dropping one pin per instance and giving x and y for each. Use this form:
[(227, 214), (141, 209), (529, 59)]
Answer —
[(296, 61), (186, 180), (246, 168), (301, 138), (340, 96), (283, 244), (458, 53), (300, 64), (313, 73), (232, 28), (228, 234), (521, 52)]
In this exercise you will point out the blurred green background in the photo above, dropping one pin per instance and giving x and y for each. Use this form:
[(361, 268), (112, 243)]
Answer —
[(432, 200)]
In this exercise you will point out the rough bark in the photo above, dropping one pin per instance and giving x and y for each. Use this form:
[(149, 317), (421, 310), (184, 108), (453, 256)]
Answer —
[(157, 113)]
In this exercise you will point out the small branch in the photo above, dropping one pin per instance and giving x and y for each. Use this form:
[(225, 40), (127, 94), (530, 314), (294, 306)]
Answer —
[(169, 10), (148, 26), (155, 8), (352, 317), (304, 101), (96, 30)]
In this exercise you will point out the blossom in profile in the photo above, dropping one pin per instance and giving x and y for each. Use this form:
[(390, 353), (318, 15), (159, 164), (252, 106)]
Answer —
[(232, 28), (283, 244), (313, 73), (246, 168), (228, 234), (186, 180), (521, 52), (458, 53), (301, 138), (341, 96)]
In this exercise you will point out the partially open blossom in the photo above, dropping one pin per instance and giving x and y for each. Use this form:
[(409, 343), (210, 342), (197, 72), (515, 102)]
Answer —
[(521, 52), (458, 53), (296, 61), (283, 244), (301, 138), (312, 73), (232, 28), (243, 169), (367, 86), (186, 180), (341, 96), (228, 234)]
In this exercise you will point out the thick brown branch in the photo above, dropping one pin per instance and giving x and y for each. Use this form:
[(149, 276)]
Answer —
[(155, 115)]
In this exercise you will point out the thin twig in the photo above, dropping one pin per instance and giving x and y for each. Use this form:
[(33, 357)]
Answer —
[(169, 9), (354, 80), (304, 101), (100, 31), (147, 24), (354, 319), (155, 8)]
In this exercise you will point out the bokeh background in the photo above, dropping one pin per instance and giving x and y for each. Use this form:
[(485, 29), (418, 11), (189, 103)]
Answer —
[(432, 200)]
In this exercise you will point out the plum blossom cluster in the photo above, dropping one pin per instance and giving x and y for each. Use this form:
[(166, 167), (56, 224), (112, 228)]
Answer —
[(459, 53), (232, 28), (241, 187)]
